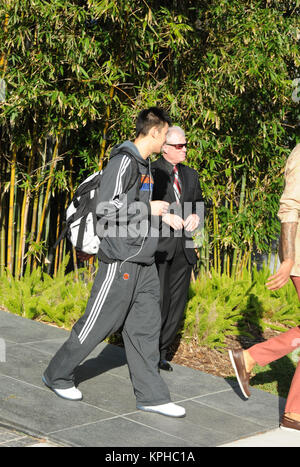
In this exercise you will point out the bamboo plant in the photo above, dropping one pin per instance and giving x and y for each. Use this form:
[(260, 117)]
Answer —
[(77, 76)]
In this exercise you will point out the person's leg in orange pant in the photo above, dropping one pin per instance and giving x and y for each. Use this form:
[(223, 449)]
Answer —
[(275, 348)]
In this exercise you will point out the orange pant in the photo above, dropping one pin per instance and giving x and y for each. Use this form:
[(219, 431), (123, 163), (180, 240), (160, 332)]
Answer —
[(277, 347)]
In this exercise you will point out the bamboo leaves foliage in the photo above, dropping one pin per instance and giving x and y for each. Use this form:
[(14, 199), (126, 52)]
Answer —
[(77, 72)]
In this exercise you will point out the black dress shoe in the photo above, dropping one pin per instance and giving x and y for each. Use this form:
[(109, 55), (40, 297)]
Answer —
[(164, 365)]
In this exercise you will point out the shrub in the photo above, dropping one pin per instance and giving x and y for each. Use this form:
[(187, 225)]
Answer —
[(220, 305), (38, 296)]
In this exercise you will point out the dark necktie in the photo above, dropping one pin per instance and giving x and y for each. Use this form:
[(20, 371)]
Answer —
[(176, 184)]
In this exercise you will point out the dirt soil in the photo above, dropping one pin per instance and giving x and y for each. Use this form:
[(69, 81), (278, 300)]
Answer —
[(216, 362)]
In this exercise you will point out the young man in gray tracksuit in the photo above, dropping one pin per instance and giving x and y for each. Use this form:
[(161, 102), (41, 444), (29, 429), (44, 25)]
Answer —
[(125, 293)]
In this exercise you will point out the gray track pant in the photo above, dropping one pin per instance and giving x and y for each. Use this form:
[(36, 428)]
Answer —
[(127, 299)]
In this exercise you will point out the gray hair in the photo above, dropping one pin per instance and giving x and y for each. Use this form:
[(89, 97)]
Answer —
[(172, 130)]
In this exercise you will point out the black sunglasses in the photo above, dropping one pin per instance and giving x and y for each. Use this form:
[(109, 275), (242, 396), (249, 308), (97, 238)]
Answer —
[(177, 146)]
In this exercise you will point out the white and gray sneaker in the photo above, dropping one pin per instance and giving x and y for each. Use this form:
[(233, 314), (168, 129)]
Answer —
[(170, 409), (71, 394)]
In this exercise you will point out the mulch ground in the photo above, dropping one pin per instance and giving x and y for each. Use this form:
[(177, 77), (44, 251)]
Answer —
[(189, 353)]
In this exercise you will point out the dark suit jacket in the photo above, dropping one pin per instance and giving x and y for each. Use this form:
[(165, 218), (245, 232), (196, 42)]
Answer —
[(191, 194)]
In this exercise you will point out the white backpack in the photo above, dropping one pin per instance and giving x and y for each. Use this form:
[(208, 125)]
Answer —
[(81, 219)]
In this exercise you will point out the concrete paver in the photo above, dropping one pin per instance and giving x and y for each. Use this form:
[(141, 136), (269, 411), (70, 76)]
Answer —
[(13, 438), (271, 439), (217, 413)]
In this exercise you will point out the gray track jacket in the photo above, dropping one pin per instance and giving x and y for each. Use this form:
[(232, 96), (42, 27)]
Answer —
[(124, 218)]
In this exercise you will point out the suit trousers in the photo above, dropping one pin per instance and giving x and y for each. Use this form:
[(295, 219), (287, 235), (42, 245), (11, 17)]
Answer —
[(126, 299), (174, 276)]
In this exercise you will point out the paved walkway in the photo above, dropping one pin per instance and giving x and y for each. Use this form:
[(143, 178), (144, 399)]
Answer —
[(16, 439), (217, 414)]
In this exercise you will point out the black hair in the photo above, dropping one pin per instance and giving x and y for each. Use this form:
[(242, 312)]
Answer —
[(149, 118)]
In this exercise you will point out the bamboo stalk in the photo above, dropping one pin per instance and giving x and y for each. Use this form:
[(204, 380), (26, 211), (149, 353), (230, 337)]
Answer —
[(11, 211), (47, 259), (2, 234), (234, 263), (75, 262), (17, 229), (226, 252), (33, 226), (236, 272), (19, 255), (3, 59), (241, 206), (62, 254), (228, 266), (202, 256), (47, 195), (106, 124), (217, 259), (250, 258), (207, 257), (244, 263), (231, 211), (57, 248), (2, 216), (25, 210), (24, 216), (40, 187), (214, 229)]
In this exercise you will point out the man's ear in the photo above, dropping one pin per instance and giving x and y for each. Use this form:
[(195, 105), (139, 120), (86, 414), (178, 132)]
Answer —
[(153, 132)]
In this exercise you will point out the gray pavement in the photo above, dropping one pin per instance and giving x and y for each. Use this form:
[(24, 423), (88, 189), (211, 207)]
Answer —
[(217, 413), (16, 439)]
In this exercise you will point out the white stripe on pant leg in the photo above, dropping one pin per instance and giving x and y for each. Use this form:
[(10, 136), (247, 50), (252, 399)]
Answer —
[(102, 288), (98, 302), (100, 299)]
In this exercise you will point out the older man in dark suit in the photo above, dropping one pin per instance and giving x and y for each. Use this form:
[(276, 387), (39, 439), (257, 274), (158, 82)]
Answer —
[(179, 185)]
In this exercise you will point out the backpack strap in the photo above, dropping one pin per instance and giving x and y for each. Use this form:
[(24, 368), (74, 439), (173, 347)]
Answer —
[(81, 231), (91, 183), (61, 236)]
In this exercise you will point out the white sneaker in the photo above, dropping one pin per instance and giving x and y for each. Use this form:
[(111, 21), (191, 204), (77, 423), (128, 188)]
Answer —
[(170, 409), (71, 394)]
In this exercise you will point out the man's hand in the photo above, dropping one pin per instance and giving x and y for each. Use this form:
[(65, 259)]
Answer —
[(174, 221), (282, 276), (191, 223), (159, 208)]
